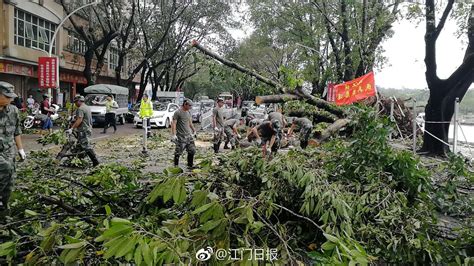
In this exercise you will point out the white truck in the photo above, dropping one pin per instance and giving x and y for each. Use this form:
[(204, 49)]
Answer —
[(176, 97)]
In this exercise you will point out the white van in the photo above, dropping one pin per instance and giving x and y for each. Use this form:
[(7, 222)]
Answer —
[(96, 96)]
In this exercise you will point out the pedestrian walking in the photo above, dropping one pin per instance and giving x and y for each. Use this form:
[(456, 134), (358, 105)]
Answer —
[(218, 124), (230, 130), (146, 112), (83, 127), (183, 133), (305, 126), (110, 108), (10, 136)]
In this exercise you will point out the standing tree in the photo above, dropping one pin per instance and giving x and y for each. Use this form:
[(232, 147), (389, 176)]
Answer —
[(98, 30), (443, 92), (335, 40)]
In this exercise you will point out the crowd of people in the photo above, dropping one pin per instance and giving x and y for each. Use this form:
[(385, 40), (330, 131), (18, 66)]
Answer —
[(266, 133)]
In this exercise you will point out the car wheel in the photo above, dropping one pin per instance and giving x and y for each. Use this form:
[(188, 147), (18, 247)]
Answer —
[(167, 123), (28, 123)]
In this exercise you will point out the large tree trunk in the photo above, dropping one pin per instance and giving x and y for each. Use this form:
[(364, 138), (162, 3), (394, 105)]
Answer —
[(443, 93), (433, 112)]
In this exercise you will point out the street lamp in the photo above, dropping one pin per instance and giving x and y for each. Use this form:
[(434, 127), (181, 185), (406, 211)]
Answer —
[(56, 33)]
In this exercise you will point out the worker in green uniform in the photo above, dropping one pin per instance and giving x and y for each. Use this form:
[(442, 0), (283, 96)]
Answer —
[(230, 130), (83, 127), (305, 126), (183, 133), (10, 136), (218, 124)]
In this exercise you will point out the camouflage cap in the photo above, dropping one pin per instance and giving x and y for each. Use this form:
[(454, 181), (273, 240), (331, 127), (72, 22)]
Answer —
[(276, 123), (79, 98), (7, 89)]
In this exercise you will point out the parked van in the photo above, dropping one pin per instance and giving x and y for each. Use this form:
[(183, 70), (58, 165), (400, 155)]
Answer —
[(96, 96)]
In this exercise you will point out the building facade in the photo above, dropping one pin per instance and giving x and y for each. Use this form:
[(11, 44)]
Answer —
[(26, 30)]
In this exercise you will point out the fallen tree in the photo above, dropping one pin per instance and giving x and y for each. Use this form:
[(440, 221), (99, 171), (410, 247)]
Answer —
[(287, 94)]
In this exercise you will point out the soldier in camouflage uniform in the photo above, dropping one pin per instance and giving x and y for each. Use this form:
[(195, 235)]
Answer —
[(305, 127), (218, 124), (279, 123), (230, 130), (183, 133), (10, 134), (83, 127)]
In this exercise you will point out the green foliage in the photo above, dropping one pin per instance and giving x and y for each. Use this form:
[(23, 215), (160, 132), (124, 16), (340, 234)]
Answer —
[(354, 200), (56, 137)]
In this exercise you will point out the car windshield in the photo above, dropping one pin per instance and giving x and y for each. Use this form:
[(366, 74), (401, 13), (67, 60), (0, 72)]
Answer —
[(160, 107), (163, 100), (95, 99)]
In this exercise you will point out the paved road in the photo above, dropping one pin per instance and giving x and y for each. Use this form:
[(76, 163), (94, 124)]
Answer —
[(30, 144)]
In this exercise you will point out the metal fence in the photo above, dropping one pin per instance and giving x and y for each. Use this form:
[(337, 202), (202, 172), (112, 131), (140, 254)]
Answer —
[(458, 145)]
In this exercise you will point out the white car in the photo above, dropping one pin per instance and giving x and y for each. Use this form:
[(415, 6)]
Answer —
[(162, 115)]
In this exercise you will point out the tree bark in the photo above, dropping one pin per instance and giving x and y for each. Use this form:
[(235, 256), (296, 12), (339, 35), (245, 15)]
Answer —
[(278, 98), (443, 92), (332, 129), (237, 66)]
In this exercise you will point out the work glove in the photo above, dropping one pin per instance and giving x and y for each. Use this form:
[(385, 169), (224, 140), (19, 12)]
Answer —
[(259, 141), (69, 131), (174, 138), (216, 129), (238, 136), (22, 154)]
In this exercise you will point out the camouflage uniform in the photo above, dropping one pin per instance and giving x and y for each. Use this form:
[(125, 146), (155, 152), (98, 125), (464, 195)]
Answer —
[(84, 132), (306, 127), (184, 143), (185, 138), (9, 129), (277, 120), (228, 130), (219, 133)]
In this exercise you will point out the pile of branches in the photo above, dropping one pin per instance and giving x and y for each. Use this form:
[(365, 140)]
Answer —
[(350, 201)]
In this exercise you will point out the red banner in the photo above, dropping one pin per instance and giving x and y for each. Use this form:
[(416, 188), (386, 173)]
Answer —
[(355, 90), (47, 75), (331, 95), (16, 69)]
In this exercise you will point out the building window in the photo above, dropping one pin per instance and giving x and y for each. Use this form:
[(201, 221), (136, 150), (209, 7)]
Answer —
[(113, 58), (75, 43), (32, 31)]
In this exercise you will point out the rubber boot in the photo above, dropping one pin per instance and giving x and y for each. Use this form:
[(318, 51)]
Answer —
[(226, 145), (190, 160), (216, 147), (176, 161), (93, 157)]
